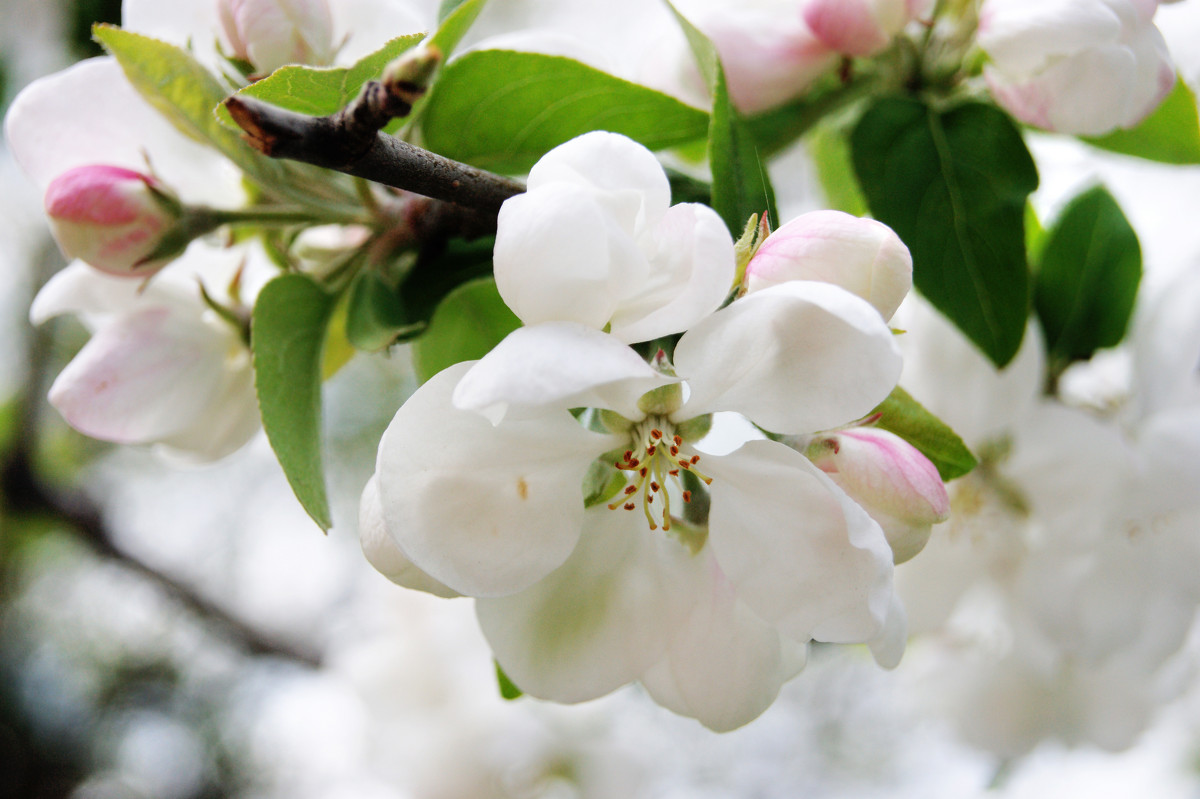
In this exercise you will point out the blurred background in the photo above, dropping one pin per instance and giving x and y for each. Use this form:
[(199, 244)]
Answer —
[(171, 632)]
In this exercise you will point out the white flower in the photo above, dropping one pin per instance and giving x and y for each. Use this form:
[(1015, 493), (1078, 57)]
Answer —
[(272, 33), (1076, 66), (596, 240), (161, 368), (479, 486)]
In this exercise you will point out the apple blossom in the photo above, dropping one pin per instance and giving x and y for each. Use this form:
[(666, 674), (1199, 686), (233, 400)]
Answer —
[(161, 367), (890, 478), (861, 255), (860, 27), (596, 240), (1075, 66), (111, 217), (577, 601), (272, 33)]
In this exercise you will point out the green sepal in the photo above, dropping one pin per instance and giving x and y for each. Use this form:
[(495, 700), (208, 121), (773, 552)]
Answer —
[(508, 689)]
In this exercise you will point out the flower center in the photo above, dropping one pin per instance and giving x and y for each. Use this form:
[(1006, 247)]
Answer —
[(655, 464)]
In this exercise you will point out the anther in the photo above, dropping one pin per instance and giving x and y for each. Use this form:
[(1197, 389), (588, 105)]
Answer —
[(630, 505), (687, 496), (656, 434), (630, 489), (653, 486), (678, 441)]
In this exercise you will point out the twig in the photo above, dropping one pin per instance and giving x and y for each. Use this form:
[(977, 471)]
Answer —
[(341, 143)]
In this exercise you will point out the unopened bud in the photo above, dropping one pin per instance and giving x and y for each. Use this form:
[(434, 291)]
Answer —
[(407, 78), (890, 479), (271, 33), (112, 218), (863, 256), (860, 27)]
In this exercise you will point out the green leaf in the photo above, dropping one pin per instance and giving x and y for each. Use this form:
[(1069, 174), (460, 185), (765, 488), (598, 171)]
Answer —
[(466, 325), (186, 94), (287, 336), (320, 91), (1170, 135), (503, 110), (907, 418), (740, 186), (375, 314), (953, 185), (508, 690), (455, 18), (1087, 277), (830, 152)]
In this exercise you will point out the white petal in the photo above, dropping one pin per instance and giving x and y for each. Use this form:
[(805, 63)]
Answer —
[(794, 358), (888, 646), (80, 289), (44, 123), (560, 256), (725, 665), (690, 274), (146, 376), (557, 365), (382, 551), (600, 620), (797, 550), (487, 510), (623, 174)]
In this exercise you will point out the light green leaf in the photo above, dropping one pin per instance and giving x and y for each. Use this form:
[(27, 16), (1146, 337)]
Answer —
[(287, 337), (455, 18), (740, 186), (186, 94), (953, 184), (503, 110), (1170, 135), (1087, 277), (320, 91), (907, 418), (466, 325), (830, 152)]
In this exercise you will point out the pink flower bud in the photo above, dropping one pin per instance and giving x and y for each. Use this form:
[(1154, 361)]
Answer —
[(110, 217), (860, 27), (890, 479), (271, 33), (1075, 66), (768, 59), (863, 256)]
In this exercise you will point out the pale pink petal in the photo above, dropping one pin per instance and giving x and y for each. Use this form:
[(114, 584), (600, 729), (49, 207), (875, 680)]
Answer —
[(601, 619), (557, 365), (795, 358), (485, 509), (799, 552)]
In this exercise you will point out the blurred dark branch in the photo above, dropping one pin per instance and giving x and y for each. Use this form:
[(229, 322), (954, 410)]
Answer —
[(25, 493)]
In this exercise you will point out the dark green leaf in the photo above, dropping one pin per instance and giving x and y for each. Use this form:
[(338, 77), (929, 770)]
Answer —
[(740, 186), (953, 184), (466, 325), (1087, 277), (287, 337), (508, 690), (320, 91), (686, 189), (375, 314), (503, 110), (186, 94), (907, 418), (1170, 135)]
